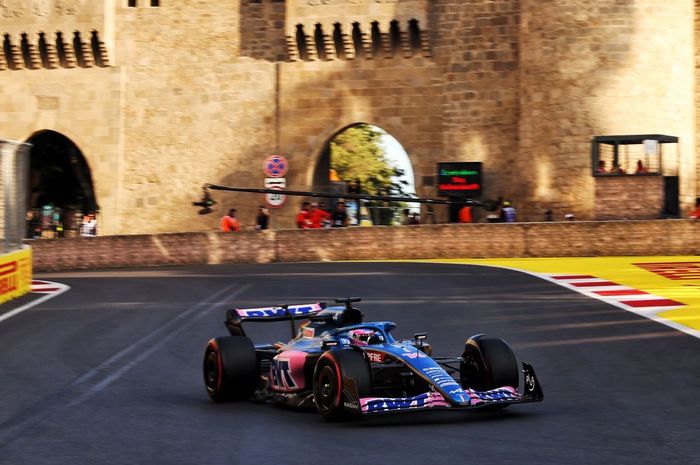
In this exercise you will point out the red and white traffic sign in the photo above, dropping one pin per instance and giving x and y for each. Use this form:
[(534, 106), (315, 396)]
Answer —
[(275, 166)]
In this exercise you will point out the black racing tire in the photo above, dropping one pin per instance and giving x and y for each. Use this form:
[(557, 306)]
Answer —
[(488, 363), (335, 372), (230, 368), (501, 364)]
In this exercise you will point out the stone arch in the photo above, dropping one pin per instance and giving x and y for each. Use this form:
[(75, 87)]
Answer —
[(59, 175), (320, 181)]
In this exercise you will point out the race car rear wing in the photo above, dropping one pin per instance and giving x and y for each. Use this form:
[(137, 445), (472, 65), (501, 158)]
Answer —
[(236, 316)]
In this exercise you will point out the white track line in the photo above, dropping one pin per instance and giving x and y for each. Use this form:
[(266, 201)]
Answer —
[(60, 289)]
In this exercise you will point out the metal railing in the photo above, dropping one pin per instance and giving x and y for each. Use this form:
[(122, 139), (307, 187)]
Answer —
[(14, 175)]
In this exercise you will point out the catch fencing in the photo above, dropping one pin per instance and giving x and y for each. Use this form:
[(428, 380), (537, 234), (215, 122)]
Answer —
[(14, 175)]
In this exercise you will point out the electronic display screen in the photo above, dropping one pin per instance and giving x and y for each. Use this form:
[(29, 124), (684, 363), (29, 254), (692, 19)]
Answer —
[(463, 178)]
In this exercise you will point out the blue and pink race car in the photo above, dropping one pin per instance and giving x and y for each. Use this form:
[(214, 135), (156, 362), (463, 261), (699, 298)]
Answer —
[(347, 368)]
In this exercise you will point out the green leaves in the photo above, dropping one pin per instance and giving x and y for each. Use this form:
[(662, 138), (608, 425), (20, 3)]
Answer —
[(357, 154)]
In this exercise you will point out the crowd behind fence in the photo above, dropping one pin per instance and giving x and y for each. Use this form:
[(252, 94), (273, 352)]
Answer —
[(14, 172)]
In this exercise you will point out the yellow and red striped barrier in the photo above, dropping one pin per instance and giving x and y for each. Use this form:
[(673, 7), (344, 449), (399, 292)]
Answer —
[(15, 274)]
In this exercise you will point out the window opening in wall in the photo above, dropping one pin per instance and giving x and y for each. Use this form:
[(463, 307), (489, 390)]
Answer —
[(61, 50), (338, 41), (131, 3), (44, 52), (78, 49), (357, 40), (634, 154), (376, 38), (155, 3), (320, 45), (26, 53), (95, 45), (9, 56), (414, 34), (395, 37), (301, 43)]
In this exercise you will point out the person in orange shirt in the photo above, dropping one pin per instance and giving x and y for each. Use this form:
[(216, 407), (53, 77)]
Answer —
[(229, 223), (465, 214)]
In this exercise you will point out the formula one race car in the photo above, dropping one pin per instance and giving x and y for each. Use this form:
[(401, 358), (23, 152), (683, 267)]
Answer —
[(347, 368)]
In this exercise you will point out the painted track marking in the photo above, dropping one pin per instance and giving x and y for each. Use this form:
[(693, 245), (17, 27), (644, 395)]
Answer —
[(49, 289)]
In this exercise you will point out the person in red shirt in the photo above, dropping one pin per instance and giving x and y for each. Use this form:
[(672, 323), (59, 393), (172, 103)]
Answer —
[(303, 219), (320, 218), (465, 214), (695, 214), (229, 222)]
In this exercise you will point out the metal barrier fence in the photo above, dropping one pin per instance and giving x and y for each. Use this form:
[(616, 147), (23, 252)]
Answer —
[(14, 179)]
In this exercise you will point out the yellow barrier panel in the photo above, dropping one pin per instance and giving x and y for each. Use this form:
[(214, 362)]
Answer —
[(15, 274)]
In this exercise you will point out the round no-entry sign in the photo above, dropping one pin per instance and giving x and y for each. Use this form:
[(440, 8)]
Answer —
[(275, 166)]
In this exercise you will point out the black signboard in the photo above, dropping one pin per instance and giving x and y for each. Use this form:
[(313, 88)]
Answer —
[(459, 178)]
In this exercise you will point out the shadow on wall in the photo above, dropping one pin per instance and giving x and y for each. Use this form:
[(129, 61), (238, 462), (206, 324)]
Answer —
[(569, 51)]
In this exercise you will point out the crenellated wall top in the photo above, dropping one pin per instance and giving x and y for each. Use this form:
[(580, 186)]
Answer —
[(31, 16), (346, 12)]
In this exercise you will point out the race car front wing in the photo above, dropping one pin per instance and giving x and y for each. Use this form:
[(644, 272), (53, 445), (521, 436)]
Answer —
[(532, 392)]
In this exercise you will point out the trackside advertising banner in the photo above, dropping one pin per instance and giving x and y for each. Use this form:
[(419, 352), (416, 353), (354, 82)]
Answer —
[(15, 274)]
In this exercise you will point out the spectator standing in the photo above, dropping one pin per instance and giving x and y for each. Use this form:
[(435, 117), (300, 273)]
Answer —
[(415, 219), (465, 214), (695, 214), (318, 216), (406, 213), (302, 219), (601, 167), (339, 217), (325, 215), (641, 169), (508, 212), (263, 218), (89, 226), (229, 223)]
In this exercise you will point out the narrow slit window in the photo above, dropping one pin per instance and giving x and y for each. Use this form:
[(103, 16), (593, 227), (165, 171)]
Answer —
[(395, 37), (26, 53), (338, 41), (78, 49), (376, 38), (357, 39), (301, 43), (95, 46), (9, 55), (44, 51), (319, 39)]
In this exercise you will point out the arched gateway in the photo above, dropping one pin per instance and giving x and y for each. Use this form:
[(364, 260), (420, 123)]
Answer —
[(60, 184)]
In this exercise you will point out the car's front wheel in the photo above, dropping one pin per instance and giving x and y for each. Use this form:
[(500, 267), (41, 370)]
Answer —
[(488, 363)]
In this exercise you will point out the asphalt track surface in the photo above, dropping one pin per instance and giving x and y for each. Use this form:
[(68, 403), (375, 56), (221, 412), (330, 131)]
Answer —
[(110, 372)]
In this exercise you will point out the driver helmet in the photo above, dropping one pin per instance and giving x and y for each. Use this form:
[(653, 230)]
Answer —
[(364, 336)]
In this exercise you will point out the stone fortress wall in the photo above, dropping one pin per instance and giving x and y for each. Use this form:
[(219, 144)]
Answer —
[(164, 96)]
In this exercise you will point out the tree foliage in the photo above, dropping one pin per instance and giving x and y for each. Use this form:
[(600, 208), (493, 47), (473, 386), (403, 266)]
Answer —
[(357, 154)]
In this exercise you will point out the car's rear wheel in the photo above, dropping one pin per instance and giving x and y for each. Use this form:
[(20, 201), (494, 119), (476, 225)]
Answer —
[(230, 368), (488, 363), (341, 378)]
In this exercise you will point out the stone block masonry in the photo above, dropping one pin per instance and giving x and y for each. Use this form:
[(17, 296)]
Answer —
[(560, 239)]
